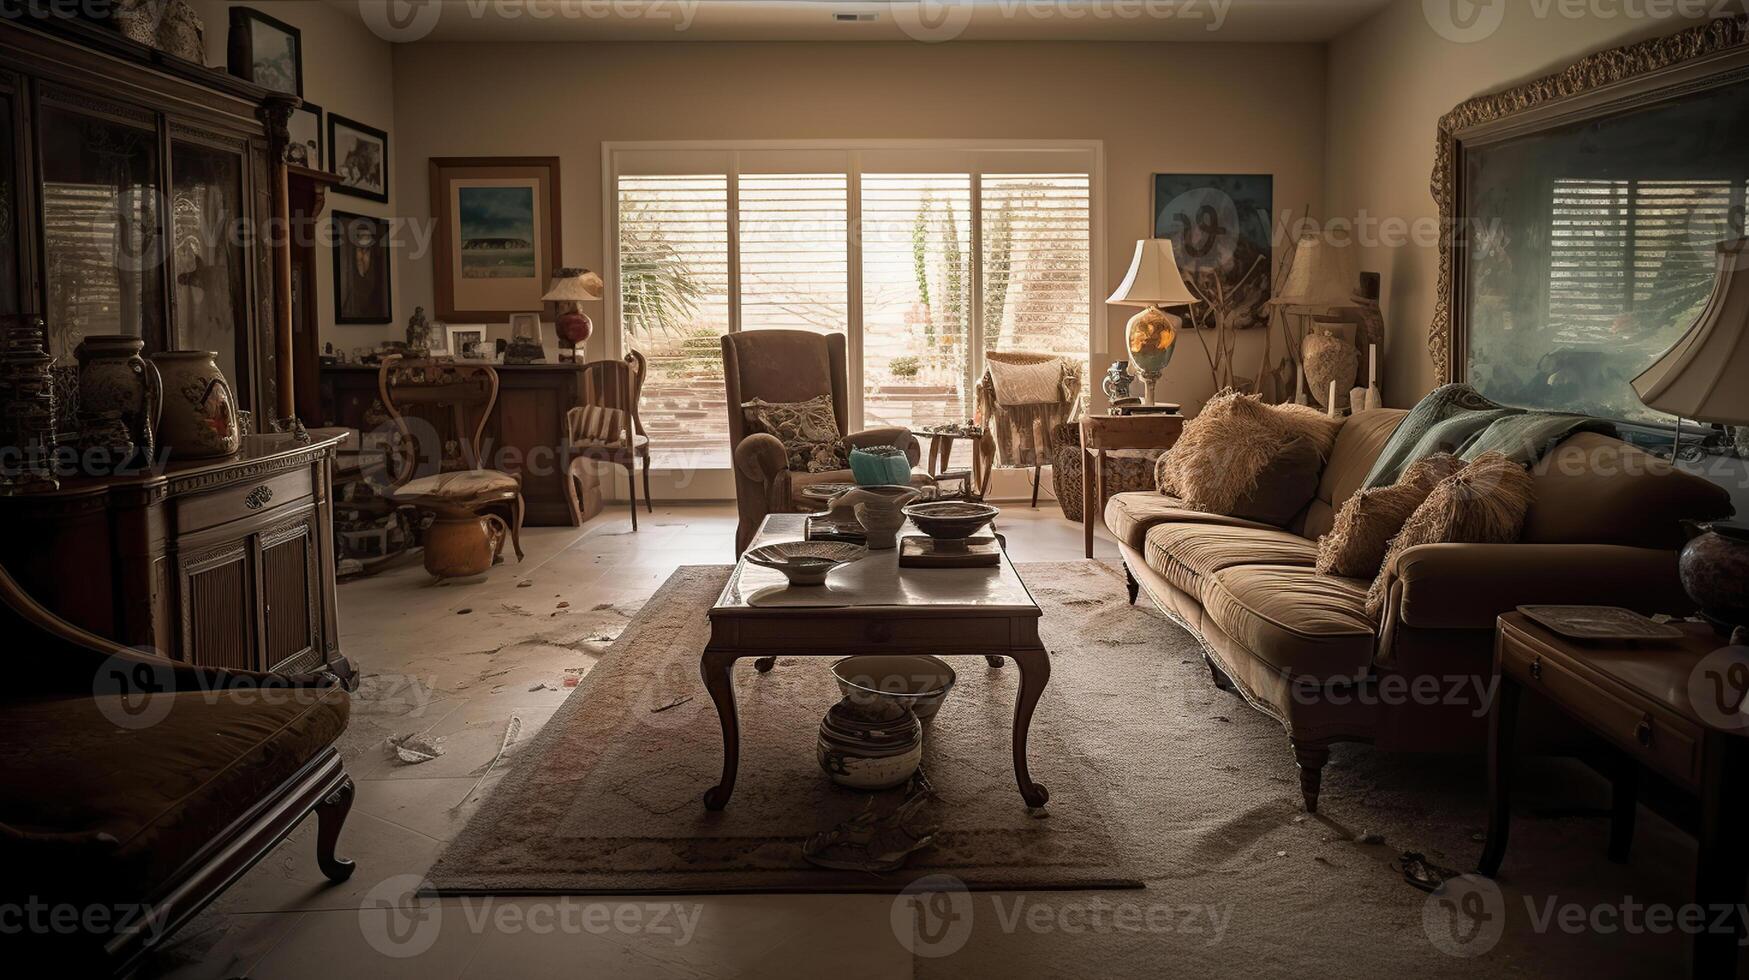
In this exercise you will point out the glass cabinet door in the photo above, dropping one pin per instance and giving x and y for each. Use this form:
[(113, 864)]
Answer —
[(102, 231), (208, 289)]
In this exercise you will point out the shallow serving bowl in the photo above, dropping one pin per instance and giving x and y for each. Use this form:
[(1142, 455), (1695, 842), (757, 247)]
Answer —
[(806, 562), (950, 519), (920, 681)]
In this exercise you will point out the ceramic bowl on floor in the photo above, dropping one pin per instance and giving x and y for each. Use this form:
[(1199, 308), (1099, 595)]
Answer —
[(919, 681), (951, 520), (806, 562)]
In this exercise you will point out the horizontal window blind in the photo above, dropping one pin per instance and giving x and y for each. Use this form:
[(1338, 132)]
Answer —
[(673, 285), (1037, 262), (793, 252)]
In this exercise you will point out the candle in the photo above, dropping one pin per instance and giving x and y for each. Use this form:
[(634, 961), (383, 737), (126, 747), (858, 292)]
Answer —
[(1332, 402), (1372, 365)]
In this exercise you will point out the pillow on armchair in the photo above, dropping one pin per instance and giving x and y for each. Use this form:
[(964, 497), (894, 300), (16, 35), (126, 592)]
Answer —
[(1244, 458), (808, 431)]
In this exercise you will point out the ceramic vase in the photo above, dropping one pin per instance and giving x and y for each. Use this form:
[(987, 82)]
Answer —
[(115, 382), (879, 510), (1330, 360), (875, 745), (200, 409), (462, 545), (1714, 567)]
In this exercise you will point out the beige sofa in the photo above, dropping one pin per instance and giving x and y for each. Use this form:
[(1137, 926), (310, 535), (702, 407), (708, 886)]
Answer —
[(1300, 647)]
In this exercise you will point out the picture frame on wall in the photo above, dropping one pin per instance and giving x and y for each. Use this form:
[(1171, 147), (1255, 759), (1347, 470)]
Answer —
[(266, 50), (1220, 226), (361, 269), (498, 234), (303, 146), (359, 156)]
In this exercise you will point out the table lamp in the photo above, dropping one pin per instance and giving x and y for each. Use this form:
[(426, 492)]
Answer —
[(571, 288), (1323, 277), (1152, 334), (1705, 376)]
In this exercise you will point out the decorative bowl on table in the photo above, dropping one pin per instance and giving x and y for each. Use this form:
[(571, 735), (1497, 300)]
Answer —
[(916, 680), (951, 520), (806, 562)]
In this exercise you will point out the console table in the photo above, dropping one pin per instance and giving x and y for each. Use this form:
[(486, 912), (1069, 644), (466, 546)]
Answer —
[(1675, 708)]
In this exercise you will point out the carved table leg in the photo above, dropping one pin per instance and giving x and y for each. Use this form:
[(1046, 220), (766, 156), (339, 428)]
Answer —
[(717, 671), (1502, 725), (1035, 672), (1130, 583), (330, 815), (993, 661), (764, 664)]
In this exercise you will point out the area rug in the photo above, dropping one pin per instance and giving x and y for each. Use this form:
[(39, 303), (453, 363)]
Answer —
[(609, 797)]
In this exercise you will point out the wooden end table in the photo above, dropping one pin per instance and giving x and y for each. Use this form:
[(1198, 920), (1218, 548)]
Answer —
[(871, 606), (1673, 707), (975, 478), (1103, 432)]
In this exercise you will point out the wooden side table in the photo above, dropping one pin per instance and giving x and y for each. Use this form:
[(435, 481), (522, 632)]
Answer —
[(1100, 433), (975, 478), (1673, 707)]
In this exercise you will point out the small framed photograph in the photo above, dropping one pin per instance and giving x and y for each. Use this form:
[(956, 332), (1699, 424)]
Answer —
[(271, 52), (303, 148), (361, 269), (469, 343), (359, 154)]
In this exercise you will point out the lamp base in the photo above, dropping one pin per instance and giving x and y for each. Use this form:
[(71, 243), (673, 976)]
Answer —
[(1152, 336)]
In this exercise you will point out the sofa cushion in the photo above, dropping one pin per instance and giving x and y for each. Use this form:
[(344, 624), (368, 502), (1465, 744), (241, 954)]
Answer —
[(1220, 458), (93, 809), (1367, 521), (1592, 489), (1358, 446), (1293, 618), (1285, 486), (1187, 554), (1129, 516)]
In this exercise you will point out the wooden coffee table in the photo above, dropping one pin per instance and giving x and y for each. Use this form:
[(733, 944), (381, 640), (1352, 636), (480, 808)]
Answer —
[(871, 606)]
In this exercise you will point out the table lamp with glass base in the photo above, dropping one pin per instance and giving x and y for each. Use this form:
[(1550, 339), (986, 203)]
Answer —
[(1153, 281)]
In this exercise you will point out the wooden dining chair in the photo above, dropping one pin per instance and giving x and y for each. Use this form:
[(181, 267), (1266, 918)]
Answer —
[(440, 467), (606, 428), (1018, 431)]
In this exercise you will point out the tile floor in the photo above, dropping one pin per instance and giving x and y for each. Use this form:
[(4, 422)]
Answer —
[(458, 661)]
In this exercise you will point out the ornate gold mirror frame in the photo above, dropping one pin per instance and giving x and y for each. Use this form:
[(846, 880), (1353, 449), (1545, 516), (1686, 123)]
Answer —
[(1600, 84)]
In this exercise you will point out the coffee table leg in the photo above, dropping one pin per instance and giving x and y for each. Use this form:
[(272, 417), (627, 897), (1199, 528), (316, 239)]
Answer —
[(716, 670), (1035, 672)]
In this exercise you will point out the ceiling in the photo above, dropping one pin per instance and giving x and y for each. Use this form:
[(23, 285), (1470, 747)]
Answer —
[(875, 20)]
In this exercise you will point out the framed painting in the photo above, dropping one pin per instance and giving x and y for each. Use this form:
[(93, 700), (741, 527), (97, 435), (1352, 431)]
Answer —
[(266, 51), (361, 269), (359, 154), (1222, 229), (497, 234)]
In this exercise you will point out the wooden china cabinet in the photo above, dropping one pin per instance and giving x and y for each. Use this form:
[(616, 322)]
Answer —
[(146, 195)]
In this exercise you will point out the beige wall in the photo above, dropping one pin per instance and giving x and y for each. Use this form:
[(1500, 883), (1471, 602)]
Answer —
[(1156, 107), (348, 70), (1390, 79)]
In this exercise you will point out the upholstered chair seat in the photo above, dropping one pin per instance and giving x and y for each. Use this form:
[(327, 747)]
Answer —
[(457, 486)]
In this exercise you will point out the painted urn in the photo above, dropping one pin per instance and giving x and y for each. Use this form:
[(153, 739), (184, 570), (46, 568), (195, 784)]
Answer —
[(199, 420), (1715, 571)]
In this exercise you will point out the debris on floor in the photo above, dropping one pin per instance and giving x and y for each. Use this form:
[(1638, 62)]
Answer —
[(875, 842), (463, 611), (525, 583), (677, 702), (1418, 871), (413, 749), (512, 730)]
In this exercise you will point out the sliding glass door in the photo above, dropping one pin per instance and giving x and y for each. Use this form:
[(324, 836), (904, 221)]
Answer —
[(924, 269)]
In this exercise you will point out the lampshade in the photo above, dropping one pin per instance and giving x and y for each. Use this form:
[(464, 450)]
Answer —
[(1153, 279), (573, 286), (1702, 376), (1322, 274)]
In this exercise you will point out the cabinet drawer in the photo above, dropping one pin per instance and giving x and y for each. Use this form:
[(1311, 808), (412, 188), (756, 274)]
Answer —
[(1656, 738), (246, 498)]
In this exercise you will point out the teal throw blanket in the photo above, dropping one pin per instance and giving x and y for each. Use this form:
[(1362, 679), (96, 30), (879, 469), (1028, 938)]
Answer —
[(1457, 419)]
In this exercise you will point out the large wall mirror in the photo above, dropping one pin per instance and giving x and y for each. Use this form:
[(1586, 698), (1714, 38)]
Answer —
[(1586, 210)]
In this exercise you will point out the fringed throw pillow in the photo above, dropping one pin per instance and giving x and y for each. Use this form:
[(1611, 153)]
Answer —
[(1484, 503), (1356, 544), (1223, 453)]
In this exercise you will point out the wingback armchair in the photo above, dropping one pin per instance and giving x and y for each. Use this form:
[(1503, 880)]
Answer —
[(784, 366)]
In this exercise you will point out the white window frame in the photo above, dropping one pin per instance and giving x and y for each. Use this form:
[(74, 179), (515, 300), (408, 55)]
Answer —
[(974, 157)]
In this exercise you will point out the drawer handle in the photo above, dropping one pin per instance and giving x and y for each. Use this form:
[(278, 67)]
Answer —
[(1643, 732), (258, 497), (1536, 668)]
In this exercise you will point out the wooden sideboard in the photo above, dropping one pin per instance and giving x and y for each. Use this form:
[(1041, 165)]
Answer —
[(226, 562), (525, 433)]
